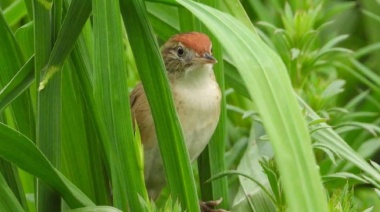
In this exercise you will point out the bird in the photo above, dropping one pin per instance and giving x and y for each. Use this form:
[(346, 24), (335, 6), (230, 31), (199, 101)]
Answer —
[(197, 98)]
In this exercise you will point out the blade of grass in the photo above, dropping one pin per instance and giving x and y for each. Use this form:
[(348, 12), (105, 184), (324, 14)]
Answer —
[(371, 15), (153, 76), (49, 137), (29, 8), (159, 16), (362, 69), (25, 38), (83, 135), (367, 50), (372, 30), (11, 61), (75, 147), (113, 102), (48, 104), (8, 201), (186, 21), (83, 138), (19, 83), (19, 114), (74, 20), (268, 84), (76, 17), (332, 140), (12, 179), (361, 75), (15, 12), (235, 8), (22, 152)]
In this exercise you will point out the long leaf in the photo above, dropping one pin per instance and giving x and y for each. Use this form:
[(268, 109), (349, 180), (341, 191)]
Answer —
[(8, 202), (15, 12), (112, 100), (76, 17), (48, 104), (21, 151), (331, 139), (19, 114), (81, 140), (19, 83)]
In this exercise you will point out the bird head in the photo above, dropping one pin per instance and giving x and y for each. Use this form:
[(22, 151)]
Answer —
[(186, 52)]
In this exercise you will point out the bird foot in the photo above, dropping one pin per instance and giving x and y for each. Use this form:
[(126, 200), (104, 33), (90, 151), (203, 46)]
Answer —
[(209, 206)]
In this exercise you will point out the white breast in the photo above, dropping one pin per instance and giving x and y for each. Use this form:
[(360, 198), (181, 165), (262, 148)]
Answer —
[(197, 97)]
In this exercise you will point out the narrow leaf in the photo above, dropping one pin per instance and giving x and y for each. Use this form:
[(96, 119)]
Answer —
[(110, 91), (19, 150)]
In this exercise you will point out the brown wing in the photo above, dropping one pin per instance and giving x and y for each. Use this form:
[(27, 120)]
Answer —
[(141, 113), (136, 93)]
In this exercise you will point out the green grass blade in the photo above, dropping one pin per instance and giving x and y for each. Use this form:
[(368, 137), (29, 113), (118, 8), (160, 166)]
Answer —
[(21, 151), (12, 178), (49, 137), (187, 21), (367, 50), (11, 61), (76, 17), (8, 202), (84, 139), (368, 73), (362, 75), (236, 9), (160, 15), (371, 30), (234, 80), (332, 140), (25, 38), (111, 94), (15, 12), (77, 142), (19, 83), (371, 15), (269, 86), (19, 114), (153, 76), (48, 104)]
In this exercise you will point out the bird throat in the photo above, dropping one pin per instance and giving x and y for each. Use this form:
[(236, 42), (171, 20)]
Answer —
[(196, 75)]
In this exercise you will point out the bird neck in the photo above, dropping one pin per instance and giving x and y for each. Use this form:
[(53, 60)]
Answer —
[(196, 75)]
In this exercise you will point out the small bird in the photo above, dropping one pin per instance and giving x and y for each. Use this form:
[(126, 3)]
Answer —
[(189, 65)]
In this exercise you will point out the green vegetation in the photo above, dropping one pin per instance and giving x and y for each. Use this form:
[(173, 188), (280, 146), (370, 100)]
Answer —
[(300, 111)]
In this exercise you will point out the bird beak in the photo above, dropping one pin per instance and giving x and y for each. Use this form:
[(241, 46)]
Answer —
[(209, 58)]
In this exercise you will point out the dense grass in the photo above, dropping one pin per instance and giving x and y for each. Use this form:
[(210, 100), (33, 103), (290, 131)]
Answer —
[(300, 110)]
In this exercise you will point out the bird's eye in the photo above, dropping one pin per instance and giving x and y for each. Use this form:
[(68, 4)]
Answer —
[(180, 51)]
